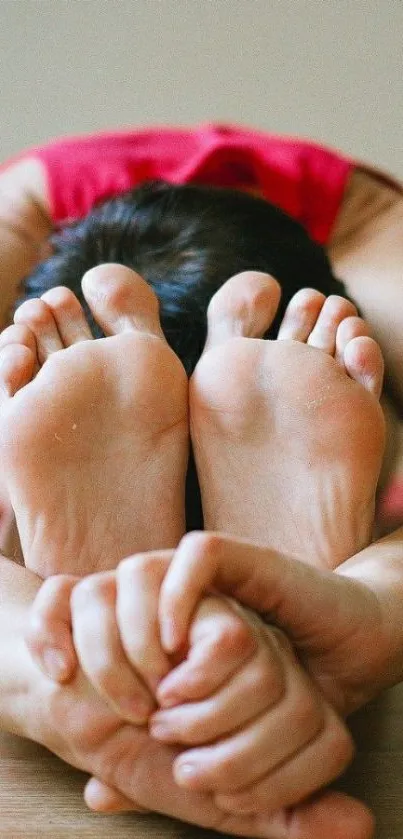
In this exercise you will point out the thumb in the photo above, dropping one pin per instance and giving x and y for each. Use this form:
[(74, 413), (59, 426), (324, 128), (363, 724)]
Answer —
[(318, 609), (104, 799)]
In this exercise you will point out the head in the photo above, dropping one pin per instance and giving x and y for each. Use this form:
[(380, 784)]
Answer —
[(186, 241)]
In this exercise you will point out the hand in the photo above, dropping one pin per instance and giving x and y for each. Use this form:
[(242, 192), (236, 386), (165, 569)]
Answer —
[(343, 624), (266, 736), (108, 624), (290, 741), (73, 722), (133, 766), (76, 622)]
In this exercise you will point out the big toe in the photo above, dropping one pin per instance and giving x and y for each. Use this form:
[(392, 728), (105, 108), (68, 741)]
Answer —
[(245, 306), (121, 301)]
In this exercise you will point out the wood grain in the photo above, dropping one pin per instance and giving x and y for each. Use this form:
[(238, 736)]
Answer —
[(42, 797)]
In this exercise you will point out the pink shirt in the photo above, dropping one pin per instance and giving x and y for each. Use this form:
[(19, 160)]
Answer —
[(303, 178)]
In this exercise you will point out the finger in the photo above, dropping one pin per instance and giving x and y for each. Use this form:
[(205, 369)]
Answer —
[(146, 776), (313, 767), (267, 741), (100, 651), (293, 594), (256, 686), (104, 799), (139, 581), (220, 641), (48, 634)]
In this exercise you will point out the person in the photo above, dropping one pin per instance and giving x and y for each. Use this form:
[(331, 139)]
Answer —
[(245, 303), (385, 214), (228, 305)]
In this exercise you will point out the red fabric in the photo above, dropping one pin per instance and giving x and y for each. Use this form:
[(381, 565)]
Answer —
[(391, 504), (303, 178)]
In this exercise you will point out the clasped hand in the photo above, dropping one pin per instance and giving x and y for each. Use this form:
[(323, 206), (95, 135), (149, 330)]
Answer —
[(262, 734)]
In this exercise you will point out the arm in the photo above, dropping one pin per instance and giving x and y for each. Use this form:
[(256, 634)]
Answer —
[(366, 250), (77, 726), (32, 707), (23, 688), (258, 726), (25, 224)]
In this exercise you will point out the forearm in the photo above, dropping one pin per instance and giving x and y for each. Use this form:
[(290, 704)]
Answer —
[(24, 227), (22, 686), (366, 251), (380, 568)]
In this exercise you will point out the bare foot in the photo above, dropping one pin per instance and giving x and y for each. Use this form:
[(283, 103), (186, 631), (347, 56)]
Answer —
[(94, 434), (288, 435)]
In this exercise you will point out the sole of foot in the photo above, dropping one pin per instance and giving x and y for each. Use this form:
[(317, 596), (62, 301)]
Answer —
[(288, 435), (94, 433)]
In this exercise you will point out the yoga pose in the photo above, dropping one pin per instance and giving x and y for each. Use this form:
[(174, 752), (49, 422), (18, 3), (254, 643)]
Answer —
[(244, 399), (388, 654)]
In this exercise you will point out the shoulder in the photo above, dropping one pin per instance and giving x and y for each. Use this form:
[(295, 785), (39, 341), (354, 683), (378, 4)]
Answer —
[(24, 197), (372, 201)]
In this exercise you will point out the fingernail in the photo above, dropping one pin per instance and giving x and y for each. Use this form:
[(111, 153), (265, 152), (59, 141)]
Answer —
[(166, 696), (186, 772), (160, 731), (56, 664), (167, 700)]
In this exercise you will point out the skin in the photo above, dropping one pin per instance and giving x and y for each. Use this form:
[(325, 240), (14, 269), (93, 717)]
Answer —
[(94, 601), (266, 421), (254, 698), (30, 219), (142, 387)]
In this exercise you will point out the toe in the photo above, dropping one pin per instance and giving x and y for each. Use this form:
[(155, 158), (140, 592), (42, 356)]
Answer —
[(349, 328), (334, 310), (121, 301), (38, 317), (244, 306), (363, 361), (18, 334), (17, 364), (68, 315), (301, 315)]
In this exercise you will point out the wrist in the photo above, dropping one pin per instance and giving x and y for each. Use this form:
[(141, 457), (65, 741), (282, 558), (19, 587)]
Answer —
[(379, 568), (25, 691)]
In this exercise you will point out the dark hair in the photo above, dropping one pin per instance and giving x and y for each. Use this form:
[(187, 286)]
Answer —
[(186, 241)]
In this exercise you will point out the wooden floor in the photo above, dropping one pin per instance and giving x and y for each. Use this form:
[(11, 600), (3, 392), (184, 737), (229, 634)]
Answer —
[(41, 797)]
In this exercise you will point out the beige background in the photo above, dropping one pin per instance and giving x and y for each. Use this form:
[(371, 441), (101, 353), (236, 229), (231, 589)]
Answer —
[(328, 69)]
